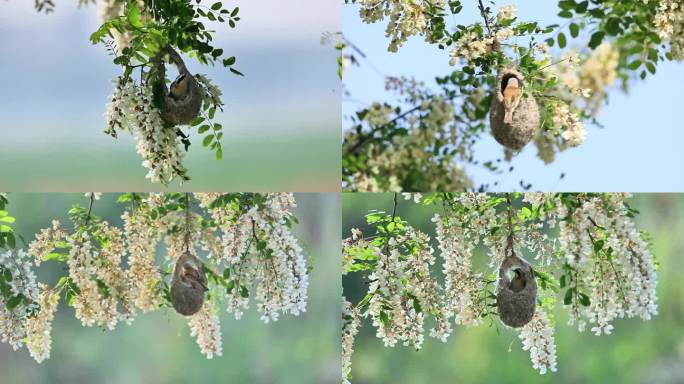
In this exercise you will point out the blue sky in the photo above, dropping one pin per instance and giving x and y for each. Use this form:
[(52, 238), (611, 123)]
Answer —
[(639, 150)]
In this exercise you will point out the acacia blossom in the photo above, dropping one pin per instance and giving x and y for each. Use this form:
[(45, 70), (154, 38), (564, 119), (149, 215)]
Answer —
[(537, 338), (205, 326), (24, 292)]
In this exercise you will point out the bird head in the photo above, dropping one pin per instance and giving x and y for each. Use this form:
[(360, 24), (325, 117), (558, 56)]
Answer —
[(179, 87), (512, 82), (518, 280)]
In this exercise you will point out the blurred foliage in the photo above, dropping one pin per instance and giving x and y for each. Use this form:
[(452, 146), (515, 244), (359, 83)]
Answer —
[(636, 352), (157, 347)]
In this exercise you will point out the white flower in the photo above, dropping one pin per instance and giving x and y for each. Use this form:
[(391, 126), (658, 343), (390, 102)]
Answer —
[(471, 47), (537, 337), (574, 133), (506, 13), (504, 34), (205, 326)]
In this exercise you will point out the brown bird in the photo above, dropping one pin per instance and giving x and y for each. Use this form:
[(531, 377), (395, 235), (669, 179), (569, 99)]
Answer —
[(179, 87), (188, 285), (518, 282), (511, 98)]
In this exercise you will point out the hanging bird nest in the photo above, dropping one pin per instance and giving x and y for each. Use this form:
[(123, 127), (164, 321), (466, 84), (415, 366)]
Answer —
[(526, 120), (175, 111), (516, 291), (188, 284)]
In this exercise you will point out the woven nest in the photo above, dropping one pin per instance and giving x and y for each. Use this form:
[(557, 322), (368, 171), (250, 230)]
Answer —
[(176, 112), (526, 118), (188, 297), (516, 306)]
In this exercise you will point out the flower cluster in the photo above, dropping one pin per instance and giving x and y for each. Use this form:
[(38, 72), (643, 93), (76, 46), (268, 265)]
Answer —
[(142, 236), (402, 291), (258, 249), (573, 131), (131, 108), (670, 25), (406, 18), (611, 260), (351, 322), (96, 272), (205, 326), (212, 93), (19, 296), (537, 337), (471, 47), (39, 327), (389, 159), (462, 286), (592, 78)]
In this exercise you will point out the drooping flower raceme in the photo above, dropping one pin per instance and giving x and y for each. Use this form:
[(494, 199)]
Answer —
[(670, 25), (259, 249), (131, 109), (205, 326), (537, 338), (351, 321), (406, 18), (19, 296), (39, 327)]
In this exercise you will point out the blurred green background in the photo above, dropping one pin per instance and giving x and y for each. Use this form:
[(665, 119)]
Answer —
[(636, 352), (157, 348), (281, 121)]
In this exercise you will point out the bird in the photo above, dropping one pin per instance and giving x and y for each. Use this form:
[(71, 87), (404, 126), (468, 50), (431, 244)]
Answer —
[(511, 98), (179, 87), (188, 285), (518, 282)]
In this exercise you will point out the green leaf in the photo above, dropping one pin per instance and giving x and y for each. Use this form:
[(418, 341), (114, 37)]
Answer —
[(598, 245), (216, 6), (596, 39), (244, 292), (235, 71), (384, 318), (207, 140), (219, 154), (198, 120), (11, 242), (56, 256), (13, 302), (229, 61), (203, 128), (584, 299), (613, 26), (416, 306), (562, 42), (7, 219), (634, 64), (567, 300), (574, 30), (134, 15)]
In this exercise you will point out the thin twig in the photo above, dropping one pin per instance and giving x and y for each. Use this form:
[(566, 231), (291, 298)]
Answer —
[(483, 12), (91, 196), (380, 128), (394, 207)]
